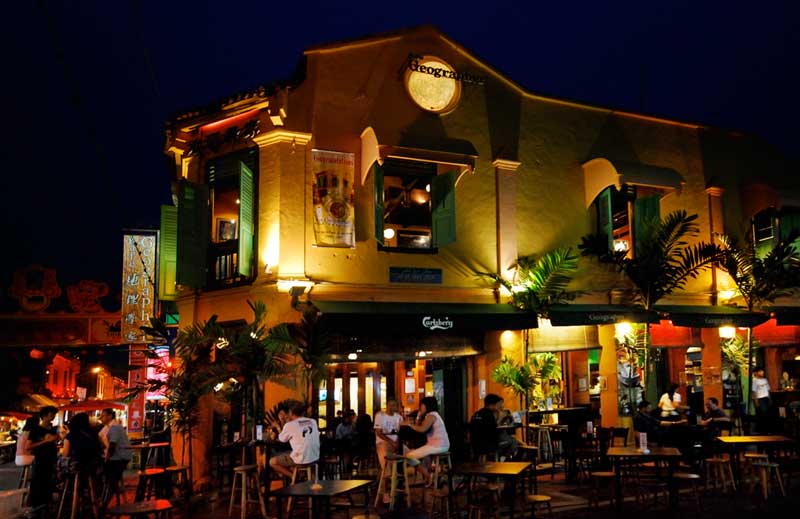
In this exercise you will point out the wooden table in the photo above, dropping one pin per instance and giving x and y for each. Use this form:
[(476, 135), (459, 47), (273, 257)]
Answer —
[(671, 454), (158, 508), (329, 489), (736, 444), (502, 469)]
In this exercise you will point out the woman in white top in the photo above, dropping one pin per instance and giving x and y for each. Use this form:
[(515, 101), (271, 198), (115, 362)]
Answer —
[(670, 402), (24, 456), (433, 426)]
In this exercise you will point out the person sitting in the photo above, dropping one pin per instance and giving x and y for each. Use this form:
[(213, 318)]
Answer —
[(81, 445), (713, 415), (645, 422), (437, 440), (303, 435), (670, 402), (483, 435), (346, 430)]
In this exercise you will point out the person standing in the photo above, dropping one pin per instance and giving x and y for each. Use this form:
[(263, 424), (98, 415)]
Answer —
[(42, 441), (24, 457), (117, 452), (387, 424), (670, 402), (760, 393), (303, 435)]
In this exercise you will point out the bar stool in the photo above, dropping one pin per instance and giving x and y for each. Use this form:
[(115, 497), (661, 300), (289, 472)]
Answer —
[(25, 477), (749, 472), (305, 468), (149, 483), (693, 480), (543, 443), (719, 471), (75, 482), (765, 471), (247, 476), (538, 500), (394, 468), (441, 465), (440, 503), (179, 478), (601, 478), (159, 509)]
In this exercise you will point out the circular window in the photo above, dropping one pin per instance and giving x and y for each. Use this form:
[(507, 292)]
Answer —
[(432, 85)]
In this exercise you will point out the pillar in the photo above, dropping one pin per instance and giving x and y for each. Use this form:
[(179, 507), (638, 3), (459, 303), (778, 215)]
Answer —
[(712, 364), (716, 225), (506, 186), (609, 404)]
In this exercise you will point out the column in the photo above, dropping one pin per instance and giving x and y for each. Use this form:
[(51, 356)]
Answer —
[(716, 226), (506, 186)]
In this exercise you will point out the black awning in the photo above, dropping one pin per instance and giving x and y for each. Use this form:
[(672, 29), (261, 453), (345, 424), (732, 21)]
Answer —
[(420, 318), (576, 315), (712, 316)]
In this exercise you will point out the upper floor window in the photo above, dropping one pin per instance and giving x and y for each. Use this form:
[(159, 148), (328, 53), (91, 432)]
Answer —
[(771, 225), (623, 215), (414, 205)]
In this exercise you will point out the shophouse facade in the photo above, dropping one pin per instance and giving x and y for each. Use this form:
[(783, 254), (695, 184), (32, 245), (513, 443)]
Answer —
[(377, 183)]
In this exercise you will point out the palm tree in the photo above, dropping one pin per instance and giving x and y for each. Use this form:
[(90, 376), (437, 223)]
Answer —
[(761, 276), (313, 348), (663, 262)]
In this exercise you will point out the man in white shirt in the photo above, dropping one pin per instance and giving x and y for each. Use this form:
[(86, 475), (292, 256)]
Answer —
[(760, 393), (303, 435), (387, 424)]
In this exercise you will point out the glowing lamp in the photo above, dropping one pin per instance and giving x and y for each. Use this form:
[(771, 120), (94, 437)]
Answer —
[(352, 356), (388, 233), (36, 354), (727, 332)]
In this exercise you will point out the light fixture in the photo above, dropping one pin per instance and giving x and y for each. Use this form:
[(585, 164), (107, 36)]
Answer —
[(238, 201), (222, 343), (352, 356), (253, 335), (623, 328), (218, 386), (286, 285), (620, 245), (422, 354), (727, 294), (428, 188), (98, 369), (727, 332), (233, 221), (388, 233)]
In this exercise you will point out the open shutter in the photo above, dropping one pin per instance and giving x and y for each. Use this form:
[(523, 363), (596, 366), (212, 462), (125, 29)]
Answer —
[(193, 234), (246, 222), (443, 214), (168, 253), (377, 196), (790, 222), (646, 211), (604, 220)]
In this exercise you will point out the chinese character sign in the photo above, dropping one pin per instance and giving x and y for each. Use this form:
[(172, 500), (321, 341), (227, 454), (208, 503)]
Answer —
[(138, 291), (332, 198)]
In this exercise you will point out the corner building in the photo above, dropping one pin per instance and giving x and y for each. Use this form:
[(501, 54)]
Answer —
[(376, 183)]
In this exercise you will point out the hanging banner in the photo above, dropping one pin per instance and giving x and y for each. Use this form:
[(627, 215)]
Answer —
[(138, 290), (332, 198)]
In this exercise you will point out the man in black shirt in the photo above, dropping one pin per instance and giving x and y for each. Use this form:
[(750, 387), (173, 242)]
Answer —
[(483, 426), (714, 417), (42, 443)]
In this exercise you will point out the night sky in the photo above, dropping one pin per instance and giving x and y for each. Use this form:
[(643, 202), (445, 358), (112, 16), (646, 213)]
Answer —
[(87, 86)]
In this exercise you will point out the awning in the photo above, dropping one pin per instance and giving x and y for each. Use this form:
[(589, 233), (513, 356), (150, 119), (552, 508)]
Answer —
[(416, 318), (712, 316), (600, 173), (34, 402), (92, 405), (375, 147), (576, 315), (563, 338)]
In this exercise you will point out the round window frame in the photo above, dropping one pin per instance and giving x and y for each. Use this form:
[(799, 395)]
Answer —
[(456, 93)]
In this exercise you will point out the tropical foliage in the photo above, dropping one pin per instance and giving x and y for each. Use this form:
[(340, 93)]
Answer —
[(541, 281), (313, 348), (530, 379)]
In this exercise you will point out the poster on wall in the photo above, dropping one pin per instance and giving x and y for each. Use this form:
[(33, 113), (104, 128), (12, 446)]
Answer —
[(332, 198), (138, 290)]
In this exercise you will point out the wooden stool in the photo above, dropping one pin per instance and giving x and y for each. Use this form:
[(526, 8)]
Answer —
[(765, 471), (159, 509), (440, 503), (749, 472), (148, 486), (246, 475), (600, 478), (73, 483), (25, 477), (440, 464), (394, 468), (544, 444), (694, 480), (179, 478), (719, 471), (540, 500), (306, 469)]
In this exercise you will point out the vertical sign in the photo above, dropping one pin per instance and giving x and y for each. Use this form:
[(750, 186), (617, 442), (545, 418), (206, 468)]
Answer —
[(138, 288), (137, 375), (332, 198)]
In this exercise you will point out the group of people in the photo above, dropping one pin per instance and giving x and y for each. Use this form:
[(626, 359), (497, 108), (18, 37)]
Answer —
[(302, 434), (85, 449)]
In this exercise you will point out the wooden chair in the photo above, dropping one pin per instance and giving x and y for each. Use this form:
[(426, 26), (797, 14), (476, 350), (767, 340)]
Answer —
[(395, 469), (249, 480), (538, 500)]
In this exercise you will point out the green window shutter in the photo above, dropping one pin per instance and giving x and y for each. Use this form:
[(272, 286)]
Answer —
[(789, 223), (604, 220), (246, 221), (646, 211), (168, 253), (192, 234), (443, 214), (377, 196)]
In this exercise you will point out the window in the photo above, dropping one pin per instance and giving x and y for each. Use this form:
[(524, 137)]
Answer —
[(414, 205), (624, 215), (764, 226)]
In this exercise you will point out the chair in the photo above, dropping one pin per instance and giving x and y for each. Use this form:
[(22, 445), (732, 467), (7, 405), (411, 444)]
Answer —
[(719, 471), (619, 433), (539, 500), (601, 479), (766, 470), (248, 479), (694, 482), (150, 484), (395, 468)]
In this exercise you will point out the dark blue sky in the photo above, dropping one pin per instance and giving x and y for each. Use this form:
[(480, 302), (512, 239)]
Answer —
[(88, 84)]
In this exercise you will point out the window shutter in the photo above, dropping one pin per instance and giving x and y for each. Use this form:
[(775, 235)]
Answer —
[(443, 215), (789, 222), (246, 222), (168, 253), (377, 196), (604, 220), (192, 234), (646, 210)]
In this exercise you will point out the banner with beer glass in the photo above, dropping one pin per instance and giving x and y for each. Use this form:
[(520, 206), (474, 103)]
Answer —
[(332, 198)]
